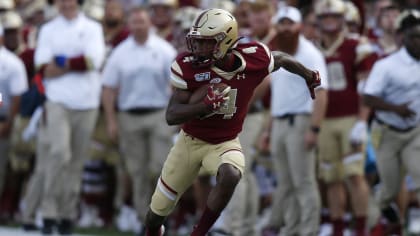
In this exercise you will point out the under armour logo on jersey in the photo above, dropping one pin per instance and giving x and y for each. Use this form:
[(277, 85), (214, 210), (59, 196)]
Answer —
[(238, 76), (202, 76)]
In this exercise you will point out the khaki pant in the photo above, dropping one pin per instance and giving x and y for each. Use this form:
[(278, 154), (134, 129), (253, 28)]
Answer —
[(396, 149), (33, 195), (21, 150), (4, 158), (296, 201), (240, 215), (68, 132), (184, 161), (145, 141)]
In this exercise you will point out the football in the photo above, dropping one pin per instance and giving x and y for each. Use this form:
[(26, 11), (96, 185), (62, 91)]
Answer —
[(199, 94)]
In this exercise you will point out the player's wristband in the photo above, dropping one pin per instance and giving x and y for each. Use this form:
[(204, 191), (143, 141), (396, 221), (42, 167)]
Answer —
[(60, 60)]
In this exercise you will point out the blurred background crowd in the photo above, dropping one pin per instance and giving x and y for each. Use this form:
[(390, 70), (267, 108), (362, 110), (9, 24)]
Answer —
[(107, 109)]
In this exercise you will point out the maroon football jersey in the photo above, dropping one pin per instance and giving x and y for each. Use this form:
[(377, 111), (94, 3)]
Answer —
[(349, 57), (225, 125)]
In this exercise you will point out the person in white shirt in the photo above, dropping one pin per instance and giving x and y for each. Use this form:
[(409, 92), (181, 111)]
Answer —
[(13, 83), (392, 90), (295, 124), (136, 78), (69, 54)]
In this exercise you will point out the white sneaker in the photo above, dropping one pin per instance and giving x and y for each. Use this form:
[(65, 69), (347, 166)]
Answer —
[(123, 219), (414, 221), (325, 229), (135, 225)]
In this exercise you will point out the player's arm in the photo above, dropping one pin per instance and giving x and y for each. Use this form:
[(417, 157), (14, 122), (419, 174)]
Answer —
[(179, 111), (378, 103), (286, 61)]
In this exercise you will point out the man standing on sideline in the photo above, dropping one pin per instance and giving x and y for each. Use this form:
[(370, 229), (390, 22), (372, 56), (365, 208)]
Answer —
[(136, 77), (212, 119), (69, 53), (13, 83), (344, 129), (393, 90), (294, 129)]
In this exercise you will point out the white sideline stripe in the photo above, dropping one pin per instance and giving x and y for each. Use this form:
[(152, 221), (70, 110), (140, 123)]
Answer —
[(353, 158), (10, 231)]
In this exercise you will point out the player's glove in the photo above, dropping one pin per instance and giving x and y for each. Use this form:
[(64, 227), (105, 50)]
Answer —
[(359, 132), (215, 99), (313, 83)]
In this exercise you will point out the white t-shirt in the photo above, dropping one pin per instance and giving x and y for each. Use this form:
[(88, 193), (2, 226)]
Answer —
[(289, 93), (396, 79), (140, 72), (13, 80), (72, 38)]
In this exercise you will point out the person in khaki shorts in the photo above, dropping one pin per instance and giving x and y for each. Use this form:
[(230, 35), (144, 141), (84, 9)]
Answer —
[(344, 129), (136, 78), (212, 114), (394, 93)]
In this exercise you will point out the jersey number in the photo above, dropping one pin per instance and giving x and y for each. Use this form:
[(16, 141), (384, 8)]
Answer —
[(229, 109), (336, 76)]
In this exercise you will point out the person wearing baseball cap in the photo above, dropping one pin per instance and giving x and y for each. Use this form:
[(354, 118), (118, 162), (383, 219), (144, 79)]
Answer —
[(392, 90), (295, 121)]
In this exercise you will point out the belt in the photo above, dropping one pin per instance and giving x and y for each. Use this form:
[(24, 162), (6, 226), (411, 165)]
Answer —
[(393, 128), (143, 111), (291, 116)]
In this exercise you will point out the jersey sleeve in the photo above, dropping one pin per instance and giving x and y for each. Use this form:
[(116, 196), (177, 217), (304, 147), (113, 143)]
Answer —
[(365, 55), (177, 76), (270, 65)]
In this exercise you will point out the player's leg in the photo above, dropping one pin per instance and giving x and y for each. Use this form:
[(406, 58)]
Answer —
[(330, 169), (227, 162), (179, 171), (354, 165), (227, 178), (240, 215)]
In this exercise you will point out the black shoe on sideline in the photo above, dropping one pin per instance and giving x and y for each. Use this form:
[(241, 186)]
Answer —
[(65, 227), (29, 227), (48, 226)]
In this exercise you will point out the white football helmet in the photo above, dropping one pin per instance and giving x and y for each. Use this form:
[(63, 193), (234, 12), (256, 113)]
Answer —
[(212, 24), (323, 7)]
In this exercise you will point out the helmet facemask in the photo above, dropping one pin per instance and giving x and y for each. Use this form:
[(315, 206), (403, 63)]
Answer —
[(205, 49)]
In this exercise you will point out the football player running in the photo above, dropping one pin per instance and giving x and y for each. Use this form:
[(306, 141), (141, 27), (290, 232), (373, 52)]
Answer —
[(208, 139)]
